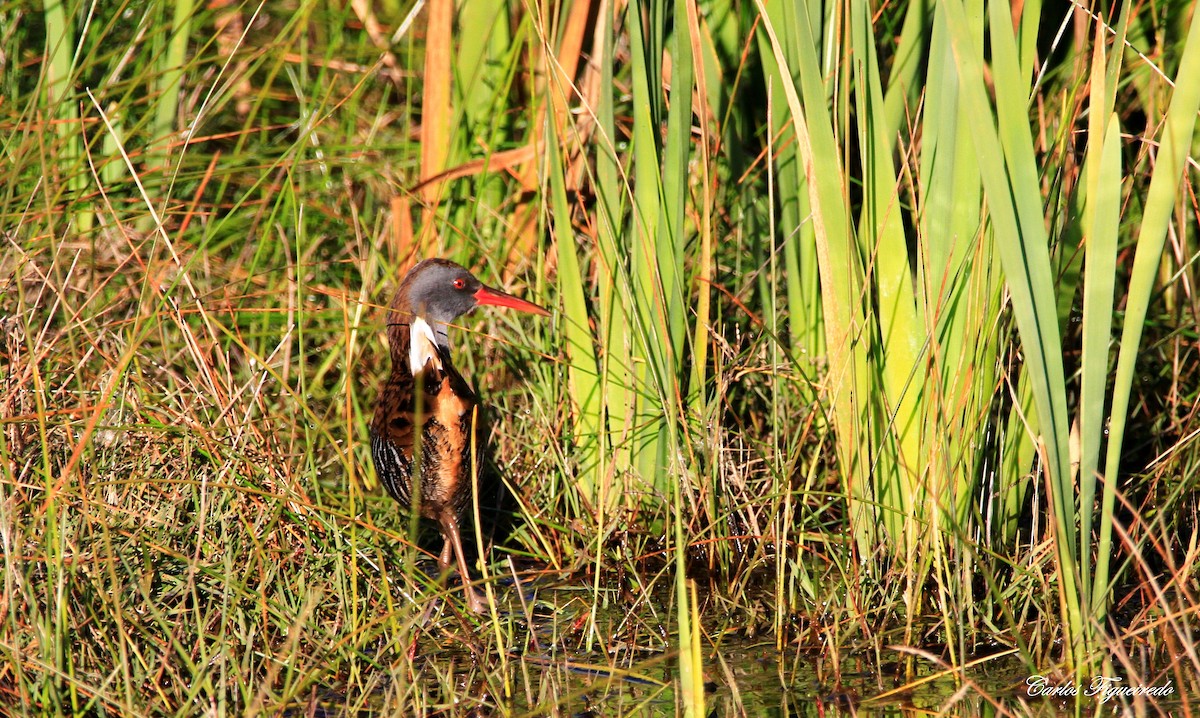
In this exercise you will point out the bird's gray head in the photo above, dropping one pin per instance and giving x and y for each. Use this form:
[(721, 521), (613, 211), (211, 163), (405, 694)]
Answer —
[(433, 294), (439, 291)]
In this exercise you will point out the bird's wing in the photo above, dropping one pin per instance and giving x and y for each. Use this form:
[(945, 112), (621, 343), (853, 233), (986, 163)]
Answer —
[(438, 394), (395, 411)]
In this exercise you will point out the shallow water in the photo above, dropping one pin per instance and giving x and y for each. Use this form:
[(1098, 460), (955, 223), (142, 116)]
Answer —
[(756, 677), (571, 655)]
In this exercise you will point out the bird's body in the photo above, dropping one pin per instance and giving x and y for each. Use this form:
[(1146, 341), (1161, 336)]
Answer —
[(440, 399), (425, 390)]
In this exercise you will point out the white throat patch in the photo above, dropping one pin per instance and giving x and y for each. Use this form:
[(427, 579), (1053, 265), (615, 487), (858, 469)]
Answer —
[(422, 346)]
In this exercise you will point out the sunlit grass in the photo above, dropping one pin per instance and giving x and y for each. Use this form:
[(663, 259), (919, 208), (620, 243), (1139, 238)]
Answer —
[(833, 367)]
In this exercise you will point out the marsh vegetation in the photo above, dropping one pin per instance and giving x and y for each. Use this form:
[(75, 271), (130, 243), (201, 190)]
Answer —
[(872, 363)]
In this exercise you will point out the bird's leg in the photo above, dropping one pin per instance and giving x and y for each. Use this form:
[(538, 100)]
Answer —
[(444, 558), (449, 522), (443, 569)]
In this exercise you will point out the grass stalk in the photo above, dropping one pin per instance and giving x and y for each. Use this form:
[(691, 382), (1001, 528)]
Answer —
[(646, 300), (822, 279), (1177, 137), (1010, 182), (171, 74), (62, 106), (583, 371), (1101, 221), (839, 266)]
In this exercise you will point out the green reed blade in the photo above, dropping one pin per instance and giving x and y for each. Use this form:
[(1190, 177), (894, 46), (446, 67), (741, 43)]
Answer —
[(1177, 137)]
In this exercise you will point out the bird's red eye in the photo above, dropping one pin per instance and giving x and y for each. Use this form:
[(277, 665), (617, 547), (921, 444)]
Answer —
[(460, 283)]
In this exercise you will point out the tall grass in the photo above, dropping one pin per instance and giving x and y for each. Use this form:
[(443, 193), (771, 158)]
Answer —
[(836, 288)]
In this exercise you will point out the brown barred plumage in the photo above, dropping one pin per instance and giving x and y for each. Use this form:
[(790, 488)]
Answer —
[(425, 387)]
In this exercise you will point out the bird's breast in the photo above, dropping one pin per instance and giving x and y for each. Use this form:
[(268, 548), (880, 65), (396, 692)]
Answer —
[(450, 406), (453, 412), (432, 412)]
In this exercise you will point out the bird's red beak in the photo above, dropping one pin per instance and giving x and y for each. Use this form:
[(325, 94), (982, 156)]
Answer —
[(497, 298)]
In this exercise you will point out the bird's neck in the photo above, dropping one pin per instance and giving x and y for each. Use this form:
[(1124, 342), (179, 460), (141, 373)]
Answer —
[(418, 343), (427, 341)]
